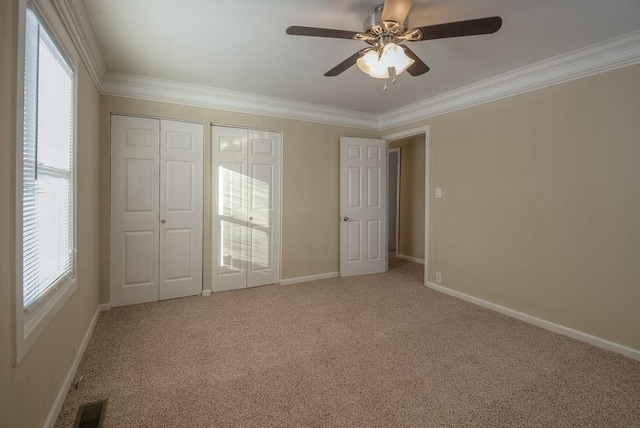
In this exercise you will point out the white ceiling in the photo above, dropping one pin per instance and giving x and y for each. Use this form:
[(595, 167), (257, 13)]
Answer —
[(241, 45)]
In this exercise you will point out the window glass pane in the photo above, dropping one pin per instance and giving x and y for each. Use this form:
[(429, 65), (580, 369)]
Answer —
[(54, 110), (53, 227), (30, 250), (47, 251)]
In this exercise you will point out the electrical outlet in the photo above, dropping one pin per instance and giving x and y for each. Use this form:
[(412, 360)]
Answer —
[(438, 277)]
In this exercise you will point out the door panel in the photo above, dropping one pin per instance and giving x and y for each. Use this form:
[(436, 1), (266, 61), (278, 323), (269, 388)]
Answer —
[(261, 189), (353, 240), (134, 209), (181, 209), (354, 188), (177, 260), (363, 201), (264, 209), (138, 270), (373, 187), (179, 177), (230, 208), (232, 252), (374, 153), (139, 184), (373, 239), (261, 250)]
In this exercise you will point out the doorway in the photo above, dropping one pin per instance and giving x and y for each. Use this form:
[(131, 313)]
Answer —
[(409, 234), (393, 201)]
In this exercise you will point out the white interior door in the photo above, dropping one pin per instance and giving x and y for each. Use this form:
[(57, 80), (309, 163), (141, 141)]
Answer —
[(264, 207), (156, 209), (230, 208), (180, 209), (246, 207), (135, 208), (363, 206)]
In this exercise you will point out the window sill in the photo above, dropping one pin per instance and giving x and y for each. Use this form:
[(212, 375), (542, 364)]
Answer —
[(29, 327)]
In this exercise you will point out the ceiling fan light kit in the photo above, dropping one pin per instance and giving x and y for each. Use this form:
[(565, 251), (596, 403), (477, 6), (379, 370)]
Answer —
[(385, 30), (377, 62)]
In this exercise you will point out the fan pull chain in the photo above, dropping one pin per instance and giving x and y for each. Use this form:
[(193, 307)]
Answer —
[(392, 74)]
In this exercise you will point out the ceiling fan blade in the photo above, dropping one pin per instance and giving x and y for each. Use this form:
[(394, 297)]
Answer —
[(418, 67), (320, 32), (471, 27), (344, 65), (396, 10)]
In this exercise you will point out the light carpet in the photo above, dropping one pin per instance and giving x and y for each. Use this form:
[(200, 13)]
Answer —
[(369, 351)]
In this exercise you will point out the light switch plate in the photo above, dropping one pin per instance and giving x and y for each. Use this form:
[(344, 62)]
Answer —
[(438, 192)]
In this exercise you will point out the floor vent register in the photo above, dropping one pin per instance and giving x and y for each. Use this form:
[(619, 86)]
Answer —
[(91, 415)]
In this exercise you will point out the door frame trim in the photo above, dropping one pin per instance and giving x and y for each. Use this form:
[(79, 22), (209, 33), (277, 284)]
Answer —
[(397, 220), (427, 185)]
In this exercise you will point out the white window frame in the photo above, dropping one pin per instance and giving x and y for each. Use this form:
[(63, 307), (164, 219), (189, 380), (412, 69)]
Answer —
[(29, 325)]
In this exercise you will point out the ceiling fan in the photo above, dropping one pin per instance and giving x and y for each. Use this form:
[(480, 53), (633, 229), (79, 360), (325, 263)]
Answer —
[(385, 30)]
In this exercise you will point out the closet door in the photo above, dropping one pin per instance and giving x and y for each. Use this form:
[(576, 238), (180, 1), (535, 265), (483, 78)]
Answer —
[(156, 209), (246, 208), (264, 207), (230, 208), (135, 154), (180, 209)]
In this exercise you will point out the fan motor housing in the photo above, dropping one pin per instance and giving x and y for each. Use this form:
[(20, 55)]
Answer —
[(373, 20), (375, 26)]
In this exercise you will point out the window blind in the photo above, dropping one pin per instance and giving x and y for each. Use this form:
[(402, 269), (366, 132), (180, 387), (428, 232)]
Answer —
[(47, 194)]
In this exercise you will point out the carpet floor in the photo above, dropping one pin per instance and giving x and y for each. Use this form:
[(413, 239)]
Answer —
[(369, 351)]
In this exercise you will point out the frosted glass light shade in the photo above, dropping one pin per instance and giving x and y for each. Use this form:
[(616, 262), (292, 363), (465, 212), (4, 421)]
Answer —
[(377, 65), (371, 64), (394, 56)]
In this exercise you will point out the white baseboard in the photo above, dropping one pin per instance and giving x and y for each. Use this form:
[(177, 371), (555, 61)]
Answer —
[(548, 325), (300, 279), (206, 293), (62, 395), (411, 259)]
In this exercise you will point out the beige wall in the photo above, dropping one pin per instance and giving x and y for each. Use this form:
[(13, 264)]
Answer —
[(541, 203), (310, 233), (411, 213), (28, 390)]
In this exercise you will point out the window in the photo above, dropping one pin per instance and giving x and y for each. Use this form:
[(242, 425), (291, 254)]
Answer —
[(46, 188)]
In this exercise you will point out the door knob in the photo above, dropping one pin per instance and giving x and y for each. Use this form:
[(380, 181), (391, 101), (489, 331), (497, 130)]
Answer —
[(163, 221), (346, 219), (250, 218)]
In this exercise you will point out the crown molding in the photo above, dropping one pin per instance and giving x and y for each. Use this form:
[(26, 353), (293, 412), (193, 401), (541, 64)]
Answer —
[(152, 89), (614, 53), (598, 58), (76, 21)]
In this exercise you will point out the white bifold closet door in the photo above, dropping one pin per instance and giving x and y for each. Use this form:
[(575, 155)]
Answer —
[(156, 209), (246, 207)]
